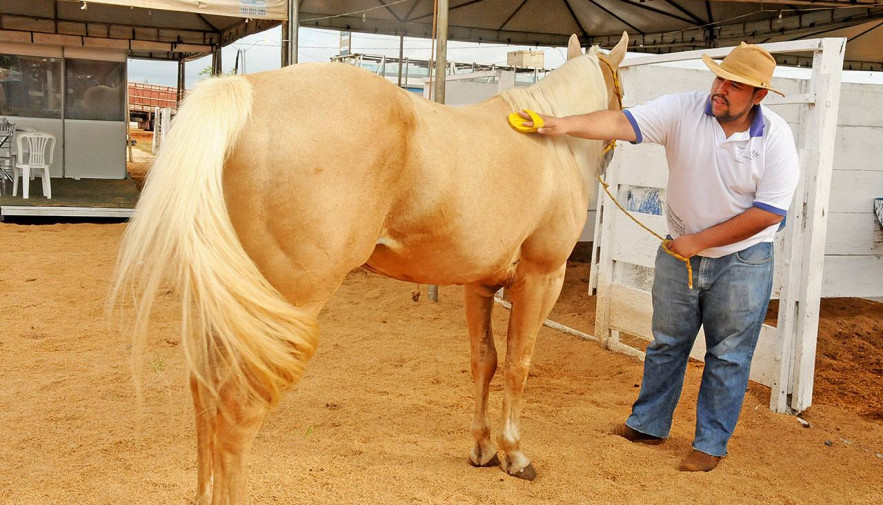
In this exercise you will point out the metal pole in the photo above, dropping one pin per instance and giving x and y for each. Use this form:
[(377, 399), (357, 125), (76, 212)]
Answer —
[(128, 130), (441, 51), (291, 35), (401, 57), (181, 82), (284, 46), (441, 63), (216, 60)]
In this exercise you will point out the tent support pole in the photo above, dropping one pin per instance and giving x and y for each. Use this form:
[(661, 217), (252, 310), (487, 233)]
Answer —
[(289, 33), (441, 63)]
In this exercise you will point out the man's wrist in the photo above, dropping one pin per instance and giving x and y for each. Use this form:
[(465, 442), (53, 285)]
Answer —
[(701, 241), (566, 125)]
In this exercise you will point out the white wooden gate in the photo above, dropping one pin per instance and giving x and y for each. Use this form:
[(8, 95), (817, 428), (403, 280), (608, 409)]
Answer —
[(623, 255)]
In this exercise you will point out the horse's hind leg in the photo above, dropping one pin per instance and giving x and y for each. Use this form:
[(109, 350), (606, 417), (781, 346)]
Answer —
[(225, 429), (533, 295), (479, 304), (236, 423), (205, 432)]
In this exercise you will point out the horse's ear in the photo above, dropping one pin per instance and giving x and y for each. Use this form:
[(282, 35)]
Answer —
[(618, 52), (573, 47)]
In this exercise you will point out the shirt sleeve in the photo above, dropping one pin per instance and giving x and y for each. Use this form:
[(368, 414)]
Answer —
[(653, 121), (780, 175)]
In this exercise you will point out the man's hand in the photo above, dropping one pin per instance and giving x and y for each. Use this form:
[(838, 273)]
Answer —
[(744, 225), (686, 245), (552, 125)]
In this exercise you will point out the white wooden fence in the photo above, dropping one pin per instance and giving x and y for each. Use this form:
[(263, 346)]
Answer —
[(624, 254), (161, 124)]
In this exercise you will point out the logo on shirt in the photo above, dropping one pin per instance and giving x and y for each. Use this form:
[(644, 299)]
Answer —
[(675, 223), (745, 154)]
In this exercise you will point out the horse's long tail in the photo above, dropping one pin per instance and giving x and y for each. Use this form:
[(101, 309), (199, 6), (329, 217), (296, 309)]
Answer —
[(238, 330)]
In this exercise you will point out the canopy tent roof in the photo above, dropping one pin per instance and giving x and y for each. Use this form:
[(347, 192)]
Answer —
[(654, 26), (171, 29)]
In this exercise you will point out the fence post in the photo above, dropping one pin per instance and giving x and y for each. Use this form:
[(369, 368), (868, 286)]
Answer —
[(799, 305)]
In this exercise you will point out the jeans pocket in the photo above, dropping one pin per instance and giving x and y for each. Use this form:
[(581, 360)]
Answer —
[(757, 254)]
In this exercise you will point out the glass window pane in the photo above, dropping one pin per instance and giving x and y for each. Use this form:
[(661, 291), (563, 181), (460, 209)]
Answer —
[(30, 86), (95, 90)]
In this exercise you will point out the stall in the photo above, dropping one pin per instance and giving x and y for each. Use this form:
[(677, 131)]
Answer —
[(77, 95)]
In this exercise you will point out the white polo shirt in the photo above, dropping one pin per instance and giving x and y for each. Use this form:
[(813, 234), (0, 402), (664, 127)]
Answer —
[(713, 178)]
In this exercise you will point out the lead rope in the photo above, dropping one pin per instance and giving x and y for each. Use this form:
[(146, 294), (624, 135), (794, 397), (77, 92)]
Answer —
[(610, 147), (664, 242)]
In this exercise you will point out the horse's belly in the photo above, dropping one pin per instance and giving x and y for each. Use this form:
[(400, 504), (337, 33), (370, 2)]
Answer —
[(440, 264)]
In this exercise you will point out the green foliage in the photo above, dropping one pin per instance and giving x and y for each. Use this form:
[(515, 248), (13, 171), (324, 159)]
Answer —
[(207, 72)]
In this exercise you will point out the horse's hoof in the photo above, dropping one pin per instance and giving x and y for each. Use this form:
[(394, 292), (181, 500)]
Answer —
[(495, 461), (526, 473)]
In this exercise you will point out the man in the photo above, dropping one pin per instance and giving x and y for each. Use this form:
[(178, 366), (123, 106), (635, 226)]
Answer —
[(732, 172)]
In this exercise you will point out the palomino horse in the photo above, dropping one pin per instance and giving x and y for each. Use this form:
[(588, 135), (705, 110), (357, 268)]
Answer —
[(271, 187)]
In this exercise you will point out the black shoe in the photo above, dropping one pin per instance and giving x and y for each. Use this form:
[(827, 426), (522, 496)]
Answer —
[(632, 435)]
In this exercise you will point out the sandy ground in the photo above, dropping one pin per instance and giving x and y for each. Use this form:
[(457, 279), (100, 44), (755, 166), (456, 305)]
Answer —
[(383, 413)]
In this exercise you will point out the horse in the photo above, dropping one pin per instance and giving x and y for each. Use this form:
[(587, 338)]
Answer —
[(101, 102), (271, 187)]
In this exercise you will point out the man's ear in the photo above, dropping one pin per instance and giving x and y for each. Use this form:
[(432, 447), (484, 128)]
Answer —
[(573, 47), (760, 94)]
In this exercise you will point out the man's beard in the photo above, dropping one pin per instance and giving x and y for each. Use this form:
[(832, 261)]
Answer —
[(727, 117)]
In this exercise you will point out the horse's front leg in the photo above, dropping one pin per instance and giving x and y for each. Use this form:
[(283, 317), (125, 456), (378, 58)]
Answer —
[(533, 295), (479, 305)]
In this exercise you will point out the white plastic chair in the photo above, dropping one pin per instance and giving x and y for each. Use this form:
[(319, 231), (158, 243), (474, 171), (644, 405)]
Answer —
[(36, 160)]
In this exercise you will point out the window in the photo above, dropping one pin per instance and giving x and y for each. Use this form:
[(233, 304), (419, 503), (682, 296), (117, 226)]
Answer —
[(30, 86), (95, 90)]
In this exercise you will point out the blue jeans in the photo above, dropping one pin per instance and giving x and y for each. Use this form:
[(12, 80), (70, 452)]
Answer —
[(729, 298)]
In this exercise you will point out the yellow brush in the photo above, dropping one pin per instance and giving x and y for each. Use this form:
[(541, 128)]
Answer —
[(517, 122)]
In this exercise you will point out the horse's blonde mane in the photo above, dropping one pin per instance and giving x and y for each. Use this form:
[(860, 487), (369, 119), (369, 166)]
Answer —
[(558, 94), (577, 87)]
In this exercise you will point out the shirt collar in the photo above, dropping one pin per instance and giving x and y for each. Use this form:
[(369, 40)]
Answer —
[(757, 125)]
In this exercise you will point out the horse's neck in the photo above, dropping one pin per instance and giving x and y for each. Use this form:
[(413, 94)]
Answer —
[(576, 88), (563, 93)]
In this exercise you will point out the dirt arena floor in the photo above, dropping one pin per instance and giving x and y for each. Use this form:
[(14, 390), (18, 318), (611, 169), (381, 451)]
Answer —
[(382, 416)]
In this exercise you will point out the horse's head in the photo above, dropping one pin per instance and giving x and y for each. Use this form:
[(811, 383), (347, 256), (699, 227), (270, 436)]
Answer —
[(609, 64)]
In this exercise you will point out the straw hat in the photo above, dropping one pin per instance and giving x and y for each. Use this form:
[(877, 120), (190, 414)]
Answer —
[(748, 64)]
